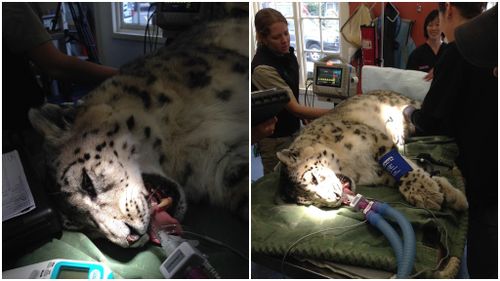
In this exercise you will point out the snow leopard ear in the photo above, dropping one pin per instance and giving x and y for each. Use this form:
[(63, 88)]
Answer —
[(287, 157), (291, 157), (52, 121), (69, 224)]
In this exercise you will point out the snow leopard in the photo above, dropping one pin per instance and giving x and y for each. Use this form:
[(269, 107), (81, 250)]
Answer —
[(176, 120), (342, 149)]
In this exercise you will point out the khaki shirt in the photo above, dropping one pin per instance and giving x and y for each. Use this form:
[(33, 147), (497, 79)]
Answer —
[(266, 77), (22, 29)]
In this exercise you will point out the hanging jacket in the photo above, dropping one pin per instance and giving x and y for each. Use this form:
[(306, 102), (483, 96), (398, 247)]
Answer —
[(405, 44)]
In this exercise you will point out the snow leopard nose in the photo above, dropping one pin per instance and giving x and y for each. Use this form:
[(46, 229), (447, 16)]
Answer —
[(337, 196)]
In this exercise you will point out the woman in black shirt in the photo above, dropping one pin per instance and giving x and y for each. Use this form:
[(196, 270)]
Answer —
[(425, 56), (275, 66)]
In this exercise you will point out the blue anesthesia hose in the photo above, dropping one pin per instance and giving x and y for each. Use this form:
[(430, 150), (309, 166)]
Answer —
[(404, 251), (381, 224), (409, 242)]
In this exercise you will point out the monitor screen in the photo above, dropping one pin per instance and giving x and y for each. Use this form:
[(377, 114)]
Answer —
[(329, 76), (73, 273)]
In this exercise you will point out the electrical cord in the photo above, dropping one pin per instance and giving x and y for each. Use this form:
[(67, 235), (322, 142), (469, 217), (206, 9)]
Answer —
[(311, 234), (150, 36), (157, 33), (146, 32), (446, 246), (211, 270), (217, 242), (438, 223), (306, 95), (434, 218)]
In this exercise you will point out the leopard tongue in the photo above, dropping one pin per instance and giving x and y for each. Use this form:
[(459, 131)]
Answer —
[(160, 219), (346, 189)]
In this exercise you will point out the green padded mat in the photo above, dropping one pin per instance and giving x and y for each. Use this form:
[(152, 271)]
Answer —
[(275, 227)]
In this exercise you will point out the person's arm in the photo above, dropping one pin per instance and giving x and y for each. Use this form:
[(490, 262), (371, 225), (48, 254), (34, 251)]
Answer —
[(436, 110), (424, 124), (266, 77), (430, 75), (63, 67), (24, 33)]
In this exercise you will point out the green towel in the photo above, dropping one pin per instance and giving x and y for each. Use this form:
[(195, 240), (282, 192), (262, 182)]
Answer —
[(133, 263), (145, 262), (275, 227)]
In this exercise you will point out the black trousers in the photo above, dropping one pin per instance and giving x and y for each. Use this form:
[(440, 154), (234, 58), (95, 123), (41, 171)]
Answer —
[(482, 241)]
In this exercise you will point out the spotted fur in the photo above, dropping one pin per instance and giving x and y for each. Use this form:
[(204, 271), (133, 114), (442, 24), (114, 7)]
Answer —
[(180, 114), (347, 143)]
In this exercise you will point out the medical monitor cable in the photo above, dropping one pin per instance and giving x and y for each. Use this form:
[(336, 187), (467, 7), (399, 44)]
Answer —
[(307, 101), (354, 225), (217, 242), (149, 36), (311, 234), (440, 225)]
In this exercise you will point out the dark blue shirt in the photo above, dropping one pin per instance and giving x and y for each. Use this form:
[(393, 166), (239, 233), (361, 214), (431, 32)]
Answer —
[(423, 58)]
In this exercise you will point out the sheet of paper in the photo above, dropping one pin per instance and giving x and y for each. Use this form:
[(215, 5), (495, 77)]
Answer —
[(16, 194)]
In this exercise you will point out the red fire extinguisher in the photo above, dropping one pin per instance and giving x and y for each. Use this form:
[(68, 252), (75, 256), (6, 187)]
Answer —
[(369, 46)]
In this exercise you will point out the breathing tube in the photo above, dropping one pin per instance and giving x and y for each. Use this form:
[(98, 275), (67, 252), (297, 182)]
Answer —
[(409, 242), (375, 212), (404, 249)]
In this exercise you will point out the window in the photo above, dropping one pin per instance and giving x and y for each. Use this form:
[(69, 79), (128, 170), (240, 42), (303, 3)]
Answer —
[(315, 24), (135, 13), (130, 18)]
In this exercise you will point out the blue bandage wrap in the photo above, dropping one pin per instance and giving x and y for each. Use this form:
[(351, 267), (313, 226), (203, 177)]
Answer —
[(394, 163)]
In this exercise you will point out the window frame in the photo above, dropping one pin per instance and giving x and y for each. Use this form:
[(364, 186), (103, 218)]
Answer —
[(300, 50), (320, 19)]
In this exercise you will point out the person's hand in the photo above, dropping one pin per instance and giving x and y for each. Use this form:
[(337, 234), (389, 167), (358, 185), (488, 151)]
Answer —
[(264, 129), (407, 112), (430, 75), (306, 121)]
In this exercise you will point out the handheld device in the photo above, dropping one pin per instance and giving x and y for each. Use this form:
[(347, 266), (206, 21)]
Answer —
[(60, 269), (267, 103), (184, 255), (183, 259)]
